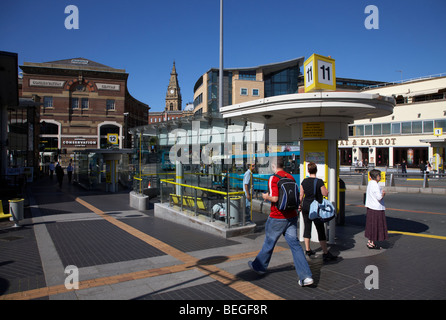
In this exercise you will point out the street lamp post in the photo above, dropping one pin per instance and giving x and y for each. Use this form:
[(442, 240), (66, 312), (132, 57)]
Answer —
[(220, 79)]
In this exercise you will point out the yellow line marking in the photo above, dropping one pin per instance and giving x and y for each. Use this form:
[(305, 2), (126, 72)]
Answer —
[(418, 235), (246, 288), (394, 209)]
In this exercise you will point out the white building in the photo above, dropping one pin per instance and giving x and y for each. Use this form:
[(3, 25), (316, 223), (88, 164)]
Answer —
[(415, 131)]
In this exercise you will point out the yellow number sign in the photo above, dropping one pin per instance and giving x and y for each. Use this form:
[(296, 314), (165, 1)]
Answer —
[(319, 73)]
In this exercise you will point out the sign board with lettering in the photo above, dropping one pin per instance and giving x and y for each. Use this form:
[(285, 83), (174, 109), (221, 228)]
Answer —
[(46, 83), (107, 86), (313, 130), (438, 132), (319, 73), (79, 142)]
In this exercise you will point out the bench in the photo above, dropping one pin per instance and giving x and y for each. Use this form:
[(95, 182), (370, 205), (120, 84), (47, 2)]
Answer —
[(188, 201), (2, 213)]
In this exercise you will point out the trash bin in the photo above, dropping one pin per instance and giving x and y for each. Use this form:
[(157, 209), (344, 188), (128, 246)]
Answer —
[(341, 213), (234, 210), (16, 209)]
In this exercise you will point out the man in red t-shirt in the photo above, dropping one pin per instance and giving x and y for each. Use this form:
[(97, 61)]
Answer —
[(278, 223)]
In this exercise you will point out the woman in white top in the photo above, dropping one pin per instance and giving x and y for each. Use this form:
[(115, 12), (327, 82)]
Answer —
[(376, 225)]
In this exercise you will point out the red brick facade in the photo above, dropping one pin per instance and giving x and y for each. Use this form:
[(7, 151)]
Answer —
[(83, 102)]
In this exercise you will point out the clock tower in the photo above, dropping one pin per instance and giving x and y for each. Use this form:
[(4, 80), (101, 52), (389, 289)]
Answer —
[(173, 95)]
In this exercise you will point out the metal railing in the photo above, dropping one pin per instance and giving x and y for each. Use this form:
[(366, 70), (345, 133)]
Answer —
[(189, 195), (399, 179)]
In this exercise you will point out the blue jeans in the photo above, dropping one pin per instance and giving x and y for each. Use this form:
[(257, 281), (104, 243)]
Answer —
[(273, 229), (248, 211)]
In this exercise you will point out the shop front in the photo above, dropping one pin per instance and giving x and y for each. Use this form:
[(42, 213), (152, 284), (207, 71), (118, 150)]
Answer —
[(383, 152)]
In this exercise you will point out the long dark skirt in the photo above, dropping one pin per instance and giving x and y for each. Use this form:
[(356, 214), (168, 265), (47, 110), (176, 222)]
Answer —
[(376, 225)]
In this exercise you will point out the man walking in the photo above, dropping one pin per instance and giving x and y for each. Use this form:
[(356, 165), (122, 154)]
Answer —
[(278, 223), (247, 186)]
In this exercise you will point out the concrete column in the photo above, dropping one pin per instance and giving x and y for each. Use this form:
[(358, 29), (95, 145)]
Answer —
[(332, 185)]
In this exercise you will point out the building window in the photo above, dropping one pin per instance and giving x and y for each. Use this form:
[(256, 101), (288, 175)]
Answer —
[(243, 91), (396, 128), (74, 103), (440, 124), (47, 102), (110, 104), (255, 92), (368, 130), (198, 100), (281, 82), (406, 127), (84, 103), (377, 129), (428, 126), (417, 127), (385, 128), (247, 75)]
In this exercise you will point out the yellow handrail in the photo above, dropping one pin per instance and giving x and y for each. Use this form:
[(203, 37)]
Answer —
[(203, 189)]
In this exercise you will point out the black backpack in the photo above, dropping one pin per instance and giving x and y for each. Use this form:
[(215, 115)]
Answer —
[(288, 194)]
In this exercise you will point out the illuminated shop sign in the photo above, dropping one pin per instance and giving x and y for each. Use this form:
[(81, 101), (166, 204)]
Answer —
[(78, 142)]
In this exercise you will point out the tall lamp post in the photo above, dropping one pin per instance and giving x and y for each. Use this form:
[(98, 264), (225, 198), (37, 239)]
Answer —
[(220, 78)]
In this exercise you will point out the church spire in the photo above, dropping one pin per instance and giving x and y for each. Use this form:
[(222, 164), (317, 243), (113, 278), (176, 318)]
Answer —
[(174, 70), (173, 96)]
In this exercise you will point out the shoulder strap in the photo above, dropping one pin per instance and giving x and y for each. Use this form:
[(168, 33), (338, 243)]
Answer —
[(314, 190), (276, 175)]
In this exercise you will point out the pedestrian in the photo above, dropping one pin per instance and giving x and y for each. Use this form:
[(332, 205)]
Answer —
[(376, 224), (307, 196), (428, 168), (422, 167), (51, 168), (247, 186), (404, 168), (278, 223), (59, 174), (69, 171)]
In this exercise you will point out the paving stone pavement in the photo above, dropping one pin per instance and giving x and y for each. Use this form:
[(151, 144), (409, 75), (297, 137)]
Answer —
[(125, 254)]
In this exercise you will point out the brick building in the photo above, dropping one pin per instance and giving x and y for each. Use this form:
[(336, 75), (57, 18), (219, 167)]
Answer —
[(86, 105)]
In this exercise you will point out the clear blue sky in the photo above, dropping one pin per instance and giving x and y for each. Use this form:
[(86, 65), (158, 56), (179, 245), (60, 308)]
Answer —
[(145, 37)]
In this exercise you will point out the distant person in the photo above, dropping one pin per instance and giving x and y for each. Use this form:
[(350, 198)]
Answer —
[(247, 187), (422, 167), (404, 168), (307, 196), (281, 223), (428, 167), (70, 171), (376, 224), (59, 174), (51, 168)]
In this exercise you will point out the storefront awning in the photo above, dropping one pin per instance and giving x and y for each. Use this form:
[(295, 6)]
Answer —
[(434, 140)]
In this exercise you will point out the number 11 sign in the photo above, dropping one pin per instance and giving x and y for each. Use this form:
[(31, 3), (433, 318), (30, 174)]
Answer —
[(319, 73)]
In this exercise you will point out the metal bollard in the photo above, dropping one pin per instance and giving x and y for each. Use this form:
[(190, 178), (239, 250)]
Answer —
[(425, 181), (364, 179), (392, 180)]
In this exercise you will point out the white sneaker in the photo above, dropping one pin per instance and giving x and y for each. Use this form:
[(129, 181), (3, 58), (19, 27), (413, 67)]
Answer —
[(256, 271), (306, 282)]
